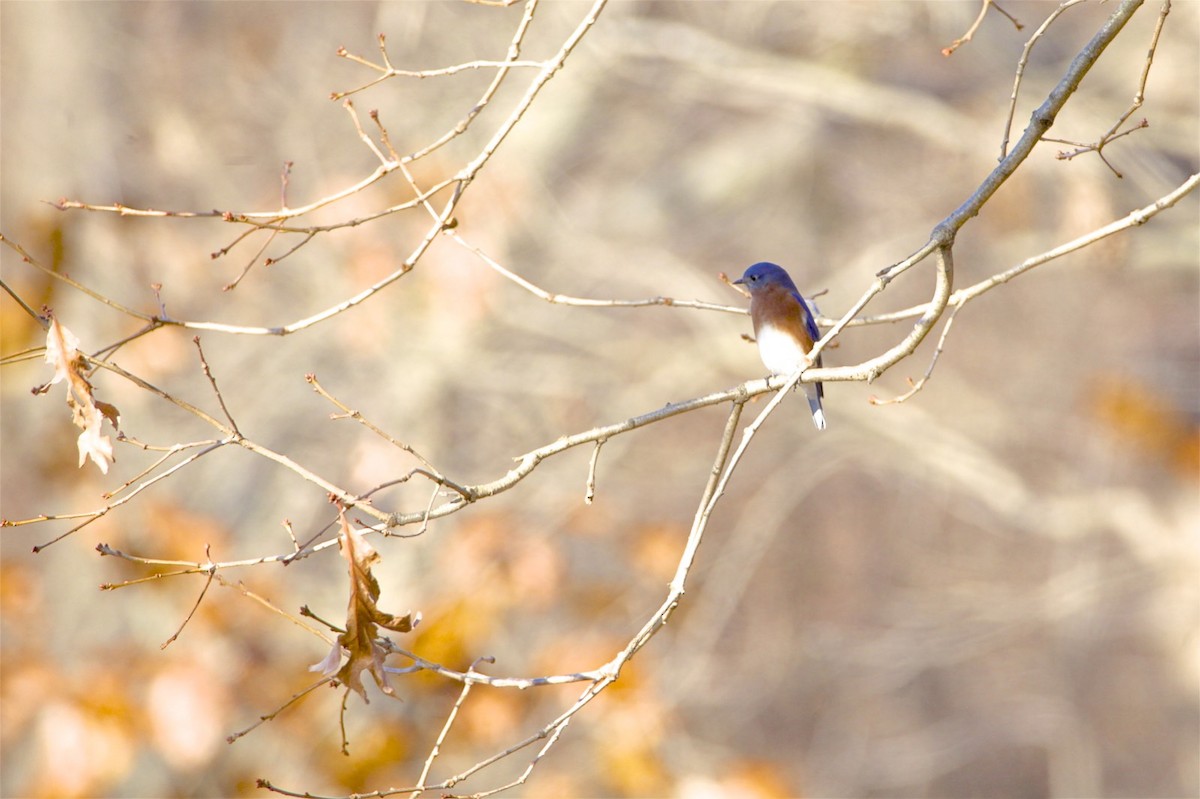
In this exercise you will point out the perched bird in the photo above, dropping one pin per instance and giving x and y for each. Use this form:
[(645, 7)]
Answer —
[(784, 327)]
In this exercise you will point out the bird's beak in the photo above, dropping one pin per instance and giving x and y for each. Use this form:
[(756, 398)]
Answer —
[(740, 282)]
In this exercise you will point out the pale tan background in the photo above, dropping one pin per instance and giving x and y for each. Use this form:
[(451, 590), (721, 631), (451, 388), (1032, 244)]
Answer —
[(988, 591)]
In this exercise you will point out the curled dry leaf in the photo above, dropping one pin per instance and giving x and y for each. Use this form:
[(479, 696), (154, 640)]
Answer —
[(91, 443), (363, 617), (88, 413), (62, 349)]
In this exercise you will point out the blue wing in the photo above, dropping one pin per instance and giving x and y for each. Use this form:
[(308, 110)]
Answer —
[(810, 321)]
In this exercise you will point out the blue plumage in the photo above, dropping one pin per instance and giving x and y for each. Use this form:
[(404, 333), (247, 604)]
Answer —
[(784, 327)]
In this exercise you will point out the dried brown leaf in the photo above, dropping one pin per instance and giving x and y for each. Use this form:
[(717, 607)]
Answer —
[(91, 443), (62, 348), (88, 414), (363, 617), (110, 413)]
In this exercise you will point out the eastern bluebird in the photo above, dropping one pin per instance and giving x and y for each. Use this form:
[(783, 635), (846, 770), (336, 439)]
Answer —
[(784, 327)]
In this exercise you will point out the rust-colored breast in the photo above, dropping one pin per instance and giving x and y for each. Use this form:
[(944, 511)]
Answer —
[(776, 303)]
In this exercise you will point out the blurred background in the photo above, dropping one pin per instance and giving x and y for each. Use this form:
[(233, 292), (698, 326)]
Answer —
[(987, 591)]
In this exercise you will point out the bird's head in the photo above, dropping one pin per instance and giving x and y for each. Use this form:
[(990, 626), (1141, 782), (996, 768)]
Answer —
[(762, 275)]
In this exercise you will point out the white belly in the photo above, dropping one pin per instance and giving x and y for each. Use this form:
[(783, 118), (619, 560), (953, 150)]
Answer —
[(779, 352)]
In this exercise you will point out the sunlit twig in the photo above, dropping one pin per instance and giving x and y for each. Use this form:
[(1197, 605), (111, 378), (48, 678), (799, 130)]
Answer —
[(966, 37), (1020, 74), (1139, 97), (211, 574), (915, 386)]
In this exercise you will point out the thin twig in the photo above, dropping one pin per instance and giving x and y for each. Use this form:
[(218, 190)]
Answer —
[(24, 305), (473, 676), (966, 37), (212, 381), (554, 733), (454, 69), (266, 603), (169, 452), (1133, 219), (268, 717), (1020, 74), (937, 353), (383, 136), (563, 299), (212, 572), (441, 738), (287, 526), (1139, 97), (513, 54), (91, 516), (109, 350), (350, 413), (383, 159), (590, 490), (231, 285)]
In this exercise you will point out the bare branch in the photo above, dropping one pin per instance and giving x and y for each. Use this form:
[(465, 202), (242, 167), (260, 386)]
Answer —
[(563, 299), (441, 739), (416, 513), (168, 453), (472, 676), (1020, 75), (231, 285), (383, 159), (1133, 219), (91, 516), (350, 413), (590, 492), (269, 716), (212, 572), (1139, 97), (514, 52), (1042, 118), (212, 381), (966, 37), (937, 353)]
